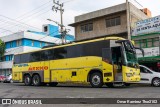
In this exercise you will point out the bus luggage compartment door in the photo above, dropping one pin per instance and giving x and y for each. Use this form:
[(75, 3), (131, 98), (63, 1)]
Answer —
[(17, 77)]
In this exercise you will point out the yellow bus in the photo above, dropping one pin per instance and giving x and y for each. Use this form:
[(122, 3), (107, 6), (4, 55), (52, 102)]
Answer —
[(106, 60)]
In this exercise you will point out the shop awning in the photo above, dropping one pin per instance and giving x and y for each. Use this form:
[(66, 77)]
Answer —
[(149, 59)]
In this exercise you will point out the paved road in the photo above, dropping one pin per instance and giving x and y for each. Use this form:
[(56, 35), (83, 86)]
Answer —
[(18, 90)]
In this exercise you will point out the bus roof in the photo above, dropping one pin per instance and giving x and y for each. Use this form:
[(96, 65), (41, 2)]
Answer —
[(75, 43)]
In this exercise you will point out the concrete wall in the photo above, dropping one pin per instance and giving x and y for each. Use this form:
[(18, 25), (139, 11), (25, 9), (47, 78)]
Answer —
[(101, 13), (100, 29), (137, 13), (19, 49), (99, 24), (6, 64)]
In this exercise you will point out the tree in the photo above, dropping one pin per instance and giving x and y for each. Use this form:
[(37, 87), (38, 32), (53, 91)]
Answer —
[(2, 48)]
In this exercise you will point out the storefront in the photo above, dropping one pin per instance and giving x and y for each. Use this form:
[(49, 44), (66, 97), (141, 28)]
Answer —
[(151, 62), (147, 36), (151, 46)]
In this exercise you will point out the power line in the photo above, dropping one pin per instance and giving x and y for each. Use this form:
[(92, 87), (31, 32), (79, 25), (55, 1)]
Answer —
[(68, 1), (30, 15), (38, 14), (19, 22), (30, 18), (34, 12), (11, 24), (139, 3), (4, 29), (35, 9)]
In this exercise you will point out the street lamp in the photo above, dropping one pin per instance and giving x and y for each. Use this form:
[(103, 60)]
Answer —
[(63, 33), (56, 22)]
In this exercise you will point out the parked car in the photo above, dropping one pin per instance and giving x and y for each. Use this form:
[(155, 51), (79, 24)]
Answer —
[(149, 76), (8, 78), (2, 78)]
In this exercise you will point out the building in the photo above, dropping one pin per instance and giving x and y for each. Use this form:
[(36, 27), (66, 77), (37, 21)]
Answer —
[(147, 36), (107, 22), (28, 41)]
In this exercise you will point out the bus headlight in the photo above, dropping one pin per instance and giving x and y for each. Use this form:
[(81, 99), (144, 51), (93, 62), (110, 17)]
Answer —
[(129, 74)]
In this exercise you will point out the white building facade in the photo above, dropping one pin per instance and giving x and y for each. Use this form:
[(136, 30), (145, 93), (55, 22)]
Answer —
[(22, 42)]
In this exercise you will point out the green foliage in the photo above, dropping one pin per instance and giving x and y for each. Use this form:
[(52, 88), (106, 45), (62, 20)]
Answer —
[(2, 48)]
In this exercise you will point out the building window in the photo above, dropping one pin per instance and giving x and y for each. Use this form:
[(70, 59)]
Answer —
[(32, 44), (46, 44), (19, 42), (149, 43), (40, 44), (156, 42), (87, 27), (137, 43), (11, 44), (143, 43), (113, 22), (46, 29), (10, 57)]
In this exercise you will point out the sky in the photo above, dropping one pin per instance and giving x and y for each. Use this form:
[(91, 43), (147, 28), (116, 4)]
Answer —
[(19, 15)]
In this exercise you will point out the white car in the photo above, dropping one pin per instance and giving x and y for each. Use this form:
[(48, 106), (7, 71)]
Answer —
[(8, 78), (149, 76)]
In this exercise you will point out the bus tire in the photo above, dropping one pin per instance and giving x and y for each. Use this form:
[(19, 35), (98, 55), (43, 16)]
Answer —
[(36, 80), (27, 80), (53, 84), (96, 80), (109, 85)]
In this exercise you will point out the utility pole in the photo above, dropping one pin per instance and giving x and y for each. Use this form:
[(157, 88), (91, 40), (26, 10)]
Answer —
[(128, 20), (59, 7)]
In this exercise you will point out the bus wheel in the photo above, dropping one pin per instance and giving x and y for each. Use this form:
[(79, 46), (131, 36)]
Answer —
[(156, 82), (110, 85), (96, 80), (27, 80), (53, 84), (36, 80)]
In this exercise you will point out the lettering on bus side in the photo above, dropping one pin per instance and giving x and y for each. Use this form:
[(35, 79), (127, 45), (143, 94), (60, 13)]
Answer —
[(21, 65), (38, 68)]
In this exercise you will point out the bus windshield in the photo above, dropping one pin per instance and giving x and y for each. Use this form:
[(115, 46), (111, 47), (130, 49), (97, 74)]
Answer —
[(131, 58)]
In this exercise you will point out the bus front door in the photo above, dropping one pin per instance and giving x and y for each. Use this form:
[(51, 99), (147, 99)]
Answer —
[(117, 63)]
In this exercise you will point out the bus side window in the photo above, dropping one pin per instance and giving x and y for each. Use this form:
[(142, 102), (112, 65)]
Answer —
[(106, 55), (50, 54), (24, 58), (35, 56), (74, 51), (60, 53), (16, 59), (44, 55)]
